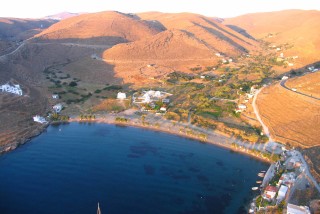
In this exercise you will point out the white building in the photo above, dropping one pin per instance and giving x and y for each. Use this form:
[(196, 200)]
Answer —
[(147, 98), (294, 209), (15, 89), (121, 96), (249, 96), (55, 96), (282, 193), (39, 119), (253, 90), (57, 108), (242, 106), (163, 109), (150, 96)]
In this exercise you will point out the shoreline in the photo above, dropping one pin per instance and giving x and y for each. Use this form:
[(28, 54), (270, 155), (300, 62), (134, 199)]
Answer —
[(179, 129), (212, 139)]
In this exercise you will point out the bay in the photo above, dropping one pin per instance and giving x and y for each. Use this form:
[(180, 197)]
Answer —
[(70, 168)]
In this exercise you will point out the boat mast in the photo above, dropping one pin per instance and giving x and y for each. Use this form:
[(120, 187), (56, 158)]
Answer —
[(98, 211)]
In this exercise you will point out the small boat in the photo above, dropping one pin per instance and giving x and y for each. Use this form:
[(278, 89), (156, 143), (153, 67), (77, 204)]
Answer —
[(261, 174), (263, 171), (254, 188), (259, 182)]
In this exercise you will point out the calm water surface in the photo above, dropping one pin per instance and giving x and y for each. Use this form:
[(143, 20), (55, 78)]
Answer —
[(70, 168)]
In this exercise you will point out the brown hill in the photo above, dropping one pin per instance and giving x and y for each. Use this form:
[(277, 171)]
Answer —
[(214, 35), (20, 29), (298, 28), (14, 30), (167, 45), (190, 40), (25, 67), (111, 27)]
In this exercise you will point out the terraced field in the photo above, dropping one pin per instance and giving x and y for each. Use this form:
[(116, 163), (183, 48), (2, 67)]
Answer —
[(292, 118)]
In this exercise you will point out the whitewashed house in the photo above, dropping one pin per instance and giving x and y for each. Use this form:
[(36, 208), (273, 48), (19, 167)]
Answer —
[(121, 96), (242, 106), (249, 96), (39, 119), (163, 109), (57, 108), (15, 89), (55, 96), (147, 98)]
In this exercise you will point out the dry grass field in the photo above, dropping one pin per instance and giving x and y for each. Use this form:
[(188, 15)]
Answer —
[(308, 84), (291, 118)]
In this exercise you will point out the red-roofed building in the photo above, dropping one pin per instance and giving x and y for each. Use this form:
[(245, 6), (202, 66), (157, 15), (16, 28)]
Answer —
[(270, 192)]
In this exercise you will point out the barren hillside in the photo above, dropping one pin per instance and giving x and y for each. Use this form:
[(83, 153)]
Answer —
[(104, 27), (14, 30), (20, 29), (298, 28), (26, 69), (214, 34), (167, 45), (190, 40)]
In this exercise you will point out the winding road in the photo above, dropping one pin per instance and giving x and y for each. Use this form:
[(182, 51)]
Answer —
[(283, 84), (14, 51), (306, 170)]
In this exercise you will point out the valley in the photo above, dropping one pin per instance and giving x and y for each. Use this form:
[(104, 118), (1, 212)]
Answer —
[(212, 69)]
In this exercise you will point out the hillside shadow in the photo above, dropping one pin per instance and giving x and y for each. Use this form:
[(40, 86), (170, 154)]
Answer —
[(227, 32), (14, 28), (241, 31), (223, 37), (103, 41)]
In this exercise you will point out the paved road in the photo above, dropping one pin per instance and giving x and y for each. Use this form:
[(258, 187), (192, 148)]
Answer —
[(266, 130), (283, 84), (12, 52), (307, 171)]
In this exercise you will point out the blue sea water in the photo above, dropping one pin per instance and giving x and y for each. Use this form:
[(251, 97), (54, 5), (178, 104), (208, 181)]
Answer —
[(70, 168)]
